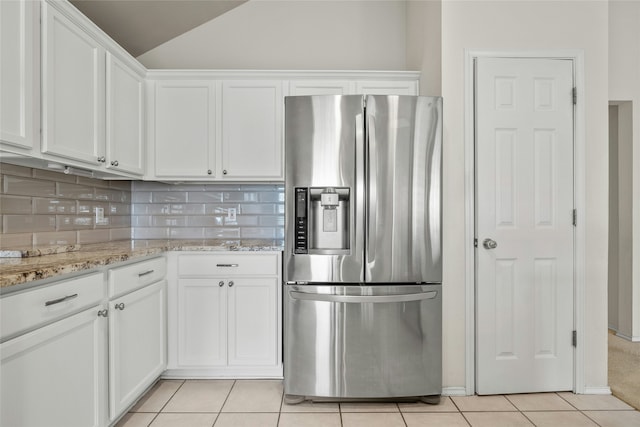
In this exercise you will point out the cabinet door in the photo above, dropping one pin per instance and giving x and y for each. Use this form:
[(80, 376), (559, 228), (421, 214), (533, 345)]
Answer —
[(387, 87), (55, 376), (73, 90), (185, 129), (19, 73), (253, 322), (202, 322), (319, 87), (125, 118), (137, 344), (252, 130)]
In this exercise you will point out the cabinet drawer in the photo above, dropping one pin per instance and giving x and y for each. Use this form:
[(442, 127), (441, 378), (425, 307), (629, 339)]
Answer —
[(32, 308), (228, 265), (134, 276)]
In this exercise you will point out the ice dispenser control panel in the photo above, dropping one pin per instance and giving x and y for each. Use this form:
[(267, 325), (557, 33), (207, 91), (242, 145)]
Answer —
[(301, 221)]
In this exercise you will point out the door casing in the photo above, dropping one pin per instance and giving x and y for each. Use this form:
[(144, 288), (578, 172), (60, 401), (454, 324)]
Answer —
[(577, 56)]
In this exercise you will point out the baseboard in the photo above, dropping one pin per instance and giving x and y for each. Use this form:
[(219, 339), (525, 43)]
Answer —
[(628, 338), (597, 390), (454, 391)]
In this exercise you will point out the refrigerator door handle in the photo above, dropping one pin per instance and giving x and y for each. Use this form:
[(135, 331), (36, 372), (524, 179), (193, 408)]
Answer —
[(363, 298), (371, 171)]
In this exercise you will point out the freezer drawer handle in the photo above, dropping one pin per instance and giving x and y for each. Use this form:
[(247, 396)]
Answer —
[(363, 298), (59, 300), (226, 265), (145, 273)]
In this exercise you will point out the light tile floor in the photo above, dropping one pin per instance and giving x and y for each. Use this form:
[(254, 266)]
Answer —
[(259, 403)]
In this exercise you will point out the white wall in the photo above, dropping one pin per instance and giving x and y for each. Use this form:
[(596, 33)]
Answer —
[(315, 34), (493, 25), (624, 85), (424, 43)]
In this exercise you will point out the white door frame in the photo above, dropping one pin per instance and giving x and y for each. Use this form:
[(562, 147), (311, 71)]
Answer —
[(579, 170)]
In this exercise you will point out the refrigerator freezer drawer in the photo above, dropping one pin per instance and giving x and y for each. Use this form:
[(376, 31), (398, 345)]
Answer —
[(359, 342)]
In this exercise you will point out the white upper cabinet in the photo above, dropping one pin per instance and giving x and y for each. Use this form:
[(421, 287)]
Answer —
[(319, 87), (124, 117), (384, 87), (19, 74), (184, 129), (252, 146), (73, 77)]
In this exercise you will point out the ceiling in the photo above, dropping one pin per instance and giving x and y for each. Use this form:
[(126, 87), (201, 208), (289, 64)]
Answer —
[(140, 25)]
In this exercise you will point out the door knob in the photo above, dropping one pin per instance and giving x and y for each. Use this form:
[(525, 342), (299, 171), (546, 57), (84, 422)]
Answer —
[(489, 244)]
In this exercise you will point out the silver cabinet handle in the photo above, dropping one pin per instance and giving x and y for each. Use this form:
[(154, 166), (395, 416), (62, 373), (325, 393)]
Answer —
[(145, 273), (59, 300), (209, 172), (114, 163), (489, 244), (226, 265), (231, 283), (102, 159), (119, 306), (221, 283), (103, 313), (224, 172)]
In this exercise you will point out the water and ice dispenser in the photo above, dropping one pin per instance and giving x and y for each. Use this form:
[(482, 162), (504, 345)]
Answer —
[(322, 218)]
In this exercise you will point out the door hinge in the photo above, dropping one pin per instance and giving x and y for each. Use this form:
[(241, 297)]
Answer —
[(575, 217), (575, 95), (475, 243), (574, 338)]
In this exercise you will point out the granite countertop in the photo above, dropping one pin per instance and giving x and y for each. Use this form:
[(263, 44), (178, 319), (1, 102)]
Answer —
[(43, 263)]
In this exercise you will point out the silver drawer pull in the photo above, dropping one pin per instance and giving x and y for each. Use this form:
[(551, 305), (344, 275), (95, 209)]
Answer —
[(226, 265), (145, 273), (59, 300)]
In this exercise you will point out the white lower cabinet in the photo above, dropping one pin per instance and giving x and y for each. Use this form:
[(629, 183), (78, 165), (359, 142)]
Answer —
[(55, 375), (225, 315), (137, 345)]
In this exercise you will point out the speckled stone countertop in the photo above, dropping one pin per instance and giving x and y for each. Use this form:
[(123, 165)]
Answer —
[(36, 264)]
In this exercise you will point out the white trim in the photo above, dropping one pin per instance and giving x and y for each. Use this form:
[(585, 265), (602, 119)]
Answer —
[(454, 391), (628, 338), (577, 56), (161, 74), (597, 390)]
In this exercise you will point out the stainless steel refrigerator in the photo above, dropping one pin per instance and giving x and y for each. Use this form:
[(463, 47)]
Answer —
[(363, 247)]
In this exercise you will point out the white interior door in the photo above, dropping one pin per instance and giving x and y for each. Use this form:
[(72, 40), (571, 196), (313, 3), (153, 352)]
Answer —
[(524, 203)]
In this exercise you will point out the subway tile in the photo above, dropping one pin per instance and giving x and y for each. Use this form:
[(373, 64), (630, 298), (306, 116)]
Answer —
[(120, 234), (246, 220), (141, 220), (15, 204), (205, 221), (93, 236), (188, 209), (221, 232), (151, 233), (224, 187), (240, 196), (75, 191), (271, 197), (266, 209), (159, 209), (168, 197), (186, 233), (280, 209), (221, 208), (169, 221), (119, 209), (204, 197), (271, 220), (258, 232), (28, 187), (149, 186), (109, 195), (18, 240), (92, 182), (185, 187), (53, 176), (28, 223), (89, 207), (15, 170), (120, 185), (68, 222), (54, 206), (119, 221), (55, 238), (141, 197)]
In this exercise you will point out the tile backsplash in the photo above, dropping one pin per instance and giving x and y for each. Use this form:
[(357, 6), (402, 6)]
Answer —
[(204, 211), (40, 207)]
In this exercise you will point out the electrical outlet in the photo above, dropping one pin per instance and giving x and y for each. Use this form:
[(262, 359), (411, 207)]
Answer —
[(231, 214), (100, 219)]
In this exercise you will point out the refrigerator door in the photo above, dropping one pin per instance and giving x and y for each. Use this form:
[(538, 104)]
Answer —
[(404, 210), (363, 341), (324, 182)]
